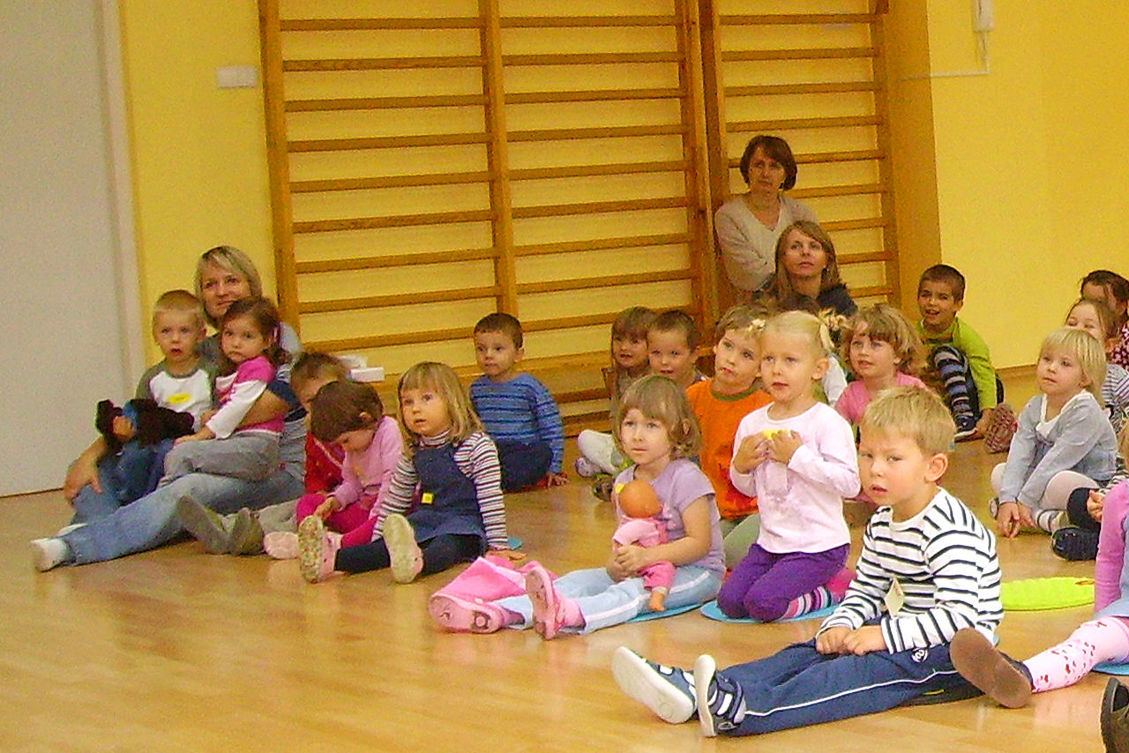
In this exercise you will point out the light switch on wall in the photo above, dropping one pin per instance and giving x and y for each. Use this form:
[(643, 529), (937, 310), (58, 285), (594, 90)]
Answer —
[(237, 77)]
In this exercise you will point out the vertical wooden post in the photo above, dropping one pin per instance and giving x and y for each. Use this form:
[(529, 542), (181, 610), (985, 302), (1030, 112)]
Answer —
[(278, 162), (502, 226), (885, 159)]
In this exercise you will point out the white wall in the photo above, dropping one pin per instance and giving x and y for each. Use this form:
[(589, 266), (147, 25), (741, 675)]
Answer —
[(61, 310)]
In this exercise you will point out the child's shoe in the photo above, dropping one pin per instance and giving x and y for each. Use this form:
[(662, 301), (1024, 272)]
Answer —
[(465, 616), (317, 551), (205, 525), (49, 553), (602, 487), (1115, 717), (585, 468), (599, 449), (246, 534), (1004, 680), (1074, 543), (721, 702), (403, 551), (551, 611), (667, 691), (281, 545), (1002, 425)]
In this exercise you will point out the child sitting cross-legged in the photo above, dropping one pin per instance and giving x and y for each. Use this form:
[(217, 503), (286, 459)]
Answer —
[(927, 569)]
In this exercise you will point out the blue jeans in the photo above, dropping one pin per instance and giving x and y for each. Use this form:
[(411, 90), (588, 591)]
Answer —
[(115, 530), (605, 602)]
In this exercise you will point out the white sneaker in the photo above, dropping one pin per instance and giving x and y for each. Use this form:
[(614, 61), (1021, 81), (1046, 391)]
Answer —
[(67, 529), (585, 468), (599, 449), (47, 554), (282, 545)]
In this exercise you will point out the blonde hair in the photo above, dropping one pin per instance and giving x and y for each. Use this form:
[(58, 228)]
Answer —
[(886, 324), (802, 324), (178, 302), (780, 285), (233, 260), (660, 398), (912, 412), (747, 319), (1088, 351), (443, 381)]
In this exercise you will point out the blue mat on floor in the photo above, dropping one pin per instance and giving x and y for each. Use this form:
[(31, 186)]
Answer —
[(713, 611), (515, 542), (1112, 668), (669, 612)]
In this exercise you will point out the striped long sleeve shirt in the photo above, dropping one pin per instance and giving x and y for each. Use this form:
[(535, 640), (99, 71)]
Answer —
[(944, 562), (520, 410), (477, 458)]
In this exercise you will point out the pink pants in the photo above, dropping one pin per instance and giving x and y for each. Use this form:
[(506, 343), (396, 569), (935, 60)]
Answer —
[(345, 520)]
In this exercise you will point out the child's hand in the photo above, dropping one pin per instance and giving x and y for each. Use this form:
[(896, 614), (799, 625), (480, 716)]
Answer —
[(206, 416), (1011, 517), (830, 641), (123, 429), (866, 639), (613, 569), (752, 452), (199, 436), (510, 554), (783, 446), (326, 508), (556, 479), (1095, 503), (632, 558)]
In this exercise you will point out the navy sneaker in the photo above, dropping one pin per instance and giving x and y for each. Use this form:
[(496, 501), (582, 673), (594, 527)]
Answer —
[(667, 691), (721, 702), (1074, 543)]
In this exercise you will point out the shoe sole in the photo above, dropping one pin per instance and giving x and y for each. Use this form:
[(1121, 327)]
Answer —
[(281, 551), (246, 534), (462, 616), (311, 536), (1115, 697), (639, 680), (704, 669), (543, 597), (403, 551), (196, 520), (978, 661)]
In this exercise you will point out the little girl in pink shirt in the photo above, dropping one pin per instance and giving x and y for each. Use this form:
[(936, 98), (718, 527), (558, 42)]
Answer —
[(883, 351)]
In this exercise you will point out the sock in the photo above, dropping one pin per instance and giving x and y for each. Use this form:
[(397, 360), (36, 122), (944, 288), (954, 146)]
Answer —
[(809, 602), (1049, 520), (1106, 639)]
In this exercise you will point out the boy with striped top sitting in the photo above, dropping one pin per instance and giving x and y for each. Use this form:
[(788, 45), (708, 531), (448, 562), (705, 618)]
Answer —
[(928, 568)]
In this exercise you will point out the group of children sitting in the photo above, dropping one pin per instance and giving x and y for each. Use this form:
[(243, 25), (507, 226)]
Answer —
[(750, 468)]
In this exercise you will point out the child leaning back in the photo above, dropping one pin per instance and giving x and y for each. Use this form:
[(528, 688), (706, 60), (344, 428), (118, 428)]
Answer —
[(927, 569)]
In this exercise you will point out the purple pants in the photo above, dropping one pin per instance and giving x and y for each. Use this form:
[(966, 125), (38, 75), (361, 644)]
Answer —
[(762, 584)]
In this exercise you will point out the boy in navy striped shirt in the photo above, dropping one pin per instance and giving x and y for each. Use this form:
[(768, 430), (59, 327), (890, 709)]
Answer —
[(517, 410), (928, 568)]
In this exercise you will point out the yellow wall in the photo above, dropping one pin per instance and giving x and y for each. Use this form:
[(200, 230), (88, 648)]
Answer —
[(1014, 177), (199, 152), (1029, 195)]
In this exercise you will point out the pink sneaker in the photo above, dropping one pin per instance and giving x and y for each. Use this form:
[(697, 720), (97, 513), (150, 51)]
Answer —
[(282, 545), (317, 551), (407, 559), (551, 611), (466, 616)]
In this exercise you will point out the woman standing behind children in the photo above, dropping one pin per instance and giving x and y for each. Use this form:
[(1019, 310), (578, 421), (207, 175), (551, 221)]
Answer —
[(1064, 440), (883, 351), (719, 404), (797, 455), (455, 465), (657, 431), (250, 356)]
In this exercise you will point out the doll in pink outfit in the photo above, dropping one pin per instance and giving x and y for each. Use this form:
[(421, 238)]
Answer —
[(641, 526), (1102, 639)]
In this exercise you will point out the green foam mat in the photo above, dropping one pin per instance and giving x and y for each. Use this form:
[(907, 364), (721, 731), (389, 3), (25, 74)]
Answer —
[(1040, 594)]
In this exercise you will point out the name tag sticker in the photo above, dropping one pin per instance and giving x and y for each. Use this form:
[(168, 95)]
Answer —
[(426, 498), (895, 598)]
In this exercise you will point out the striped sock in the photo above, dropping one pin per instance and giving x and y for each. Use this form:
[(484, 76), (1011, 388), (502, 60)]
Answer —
[(809, 602), (1050, 520)]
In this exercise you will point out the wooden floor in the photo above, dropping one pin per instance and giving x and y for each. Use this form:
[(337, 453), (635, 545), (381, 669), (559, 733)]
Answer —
[(177, 650)]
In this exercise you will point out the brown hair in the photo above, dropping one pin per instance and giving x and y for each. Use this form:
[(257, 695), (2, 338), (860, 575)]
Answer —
[(781, 287), (660, 398), (887, 324), (676, 320), (951, 276), (313, 365), (507, 324), (265, 317), (443, 381), (776, 148), (344, 406)]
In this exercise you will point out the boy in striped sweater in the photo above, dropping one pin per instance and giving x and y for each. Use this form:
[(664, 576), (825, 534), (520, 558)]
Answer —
[(518, 411), (928, 568)]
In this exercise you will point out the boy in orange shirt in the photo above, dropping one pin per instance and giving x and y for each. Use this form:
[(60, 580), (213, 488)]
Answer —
[(720, 403)]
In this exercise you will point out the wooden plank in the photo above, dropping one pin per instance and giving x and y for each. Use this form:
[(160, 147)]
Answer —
[(378, 64), (556, 22), (796, 124), (397, 260), (599, 207), (498, 162), (796, 19), (591, 95), (859, 189), (616, 168), (599, 132), (398, 299), (403, 220), (386, 142), (607, 281), (391, 181), (384, 103), (593, 58), (766, 90), (599, 244), (799, 53), (377, 24)]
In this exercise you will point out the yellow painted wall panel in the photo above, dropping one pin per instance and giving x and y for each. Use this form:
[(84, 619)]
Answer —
[(391, 241)]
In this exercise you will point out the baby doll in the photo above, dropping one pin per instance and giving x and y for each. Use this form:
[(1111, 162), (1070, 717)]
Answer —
[(640, 525)]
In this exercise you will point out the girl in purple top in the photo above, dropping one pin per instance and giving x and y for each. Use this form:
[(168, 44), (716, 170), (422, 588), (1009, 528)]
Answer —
[(655, 428), (250, 357)]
